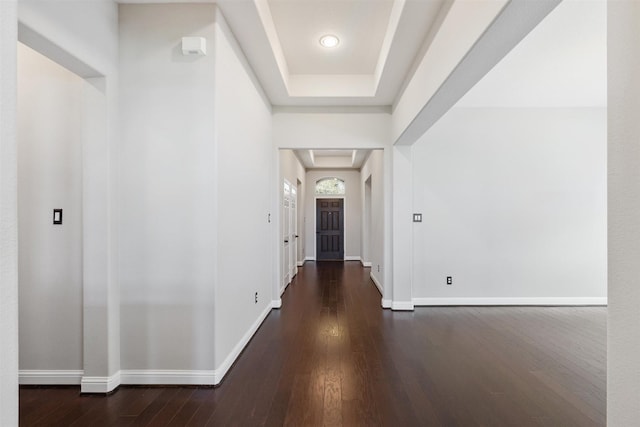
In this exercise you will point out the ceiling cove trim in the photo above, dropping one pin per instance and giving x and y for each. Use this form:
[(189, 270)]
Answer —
[(264, 13), (340, 109), (392, 29)]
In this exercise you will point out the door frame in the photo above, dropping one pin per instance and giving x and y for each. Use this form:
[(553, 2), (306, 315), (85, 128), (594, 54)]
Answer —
[(293, 230), (315, 221), (286, 226), (98, 230)]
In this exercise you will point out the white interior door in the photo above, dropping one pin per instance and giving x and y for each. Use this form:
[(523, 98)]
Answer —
[(293, 217), (286, 222)]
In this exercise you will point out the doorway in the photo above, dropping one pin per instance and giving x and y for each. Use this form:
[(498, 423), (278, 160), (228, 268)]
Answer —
[(329, 229), (51, 100), (290, 232)]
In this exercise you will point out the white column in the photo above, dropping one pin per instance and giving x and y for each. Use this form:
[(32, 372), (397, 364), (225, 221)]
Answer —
[(402, 228), (100, 288), (8, 216), (623, 360)]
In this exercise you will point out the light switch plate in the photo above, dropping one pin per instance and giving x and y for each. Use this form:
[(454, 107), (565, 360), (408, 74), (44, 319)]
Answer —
[(57, 216)]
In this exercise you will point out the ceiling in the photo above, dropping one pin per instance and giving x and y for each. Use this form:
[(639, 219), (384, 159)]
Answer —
[(332, 159), (562, 62), (360, 25), (379, 41)]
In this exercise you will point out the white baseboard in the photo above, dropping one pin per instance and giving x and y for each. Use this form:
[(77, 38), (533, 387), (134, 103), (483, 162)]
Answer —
[(385, 303), (56, 377), (402, 305), (365, 263), (222, 370), (174, 377), (310, 258), (301, 263), (167, 377), (284, 287), (559, 301), (352, 258), (276, 303), (100, 384), (376, 282)]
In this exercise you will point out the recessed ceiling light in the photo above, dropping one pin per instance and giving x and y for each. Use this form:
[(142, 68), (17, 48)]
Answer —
[(329, 41)]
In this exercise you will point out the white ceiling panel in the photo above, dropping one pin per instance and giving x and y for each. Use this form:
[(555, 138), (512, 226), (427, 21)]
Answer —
[(360, 25)]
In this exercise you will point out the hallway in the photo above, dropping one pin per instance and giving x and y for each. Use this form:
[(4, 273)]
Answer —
[(331, 356)]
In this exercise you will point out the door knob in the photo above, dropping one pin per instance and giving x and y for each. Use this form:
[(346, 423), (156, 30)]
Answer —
[(296, 236), (286, 241)]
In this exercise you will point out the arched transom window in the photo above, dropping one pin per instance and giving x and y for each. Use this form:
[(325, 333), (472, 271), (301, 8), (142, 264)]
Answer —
[(330, 186)]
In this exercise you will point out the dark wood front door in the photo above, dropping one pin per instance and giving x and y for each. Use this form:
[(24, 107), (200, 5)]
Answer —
[(329, 229)]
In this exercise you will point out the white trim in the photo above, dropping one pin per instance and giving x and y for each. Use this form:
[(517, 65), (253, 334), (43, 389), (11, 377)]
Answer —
[(167, 377), (222, 370), (333, 109), (54, 377), (309, 258), (284, 288), (100, 384), (377, 283), (276, 303), (560, 301), (385, 303), (301, 263), (402, 305), (365, 263), (352, 258)]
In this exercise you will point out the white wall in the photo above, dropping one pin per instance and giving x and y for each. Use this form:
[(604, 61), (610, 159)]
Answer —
[(328, 130), (8, 218), (623, 321), (167, 179), (49, 176), (373, 168), (352, 209), (514, 206), (244, 151)]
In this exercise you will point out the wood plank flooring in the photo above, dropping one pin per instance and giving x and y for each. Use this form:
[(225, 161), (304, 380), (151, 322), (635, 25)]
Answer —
[(331, 356)]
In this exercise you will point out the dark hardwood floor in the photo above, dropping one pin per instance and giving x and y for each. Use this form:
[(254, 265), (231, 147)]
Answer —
[(331, 356)]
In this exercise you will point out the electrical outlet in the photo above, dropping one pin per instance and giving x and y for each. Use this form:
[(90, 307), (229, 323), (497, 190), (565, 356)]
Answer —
[(449, 280), (256, 297)]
